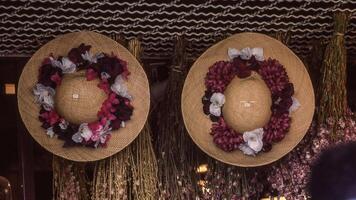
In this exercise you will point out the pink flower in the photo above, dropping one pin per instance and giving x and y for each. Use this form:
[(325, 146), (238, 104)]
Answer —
[(104, 85), (95, 127), (50, 117), (91, 74), (56, 78)]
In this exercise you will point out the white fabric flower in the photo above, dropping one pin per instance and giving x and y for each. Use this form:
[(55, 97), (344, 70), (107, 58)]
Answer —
[(44, 96), (253, 139), (215, 110), (77, 138), (246, 53), (66, 65), (247, 150), (91, 58), (84, 132), (50, 132), (120, 88), (233, 53), (258, 53), (55, 62), (295, 105), (217, 101)]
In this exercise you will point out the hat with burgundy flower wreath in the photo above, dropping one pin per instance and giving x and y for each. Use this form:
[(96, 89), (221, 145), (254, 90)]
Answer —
[(83, 96), (248, 100)]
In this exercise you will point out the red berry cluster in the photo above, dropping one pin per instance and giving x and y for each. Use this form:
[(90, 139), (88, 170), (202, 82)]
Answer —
[(225, 137), (219, 76)]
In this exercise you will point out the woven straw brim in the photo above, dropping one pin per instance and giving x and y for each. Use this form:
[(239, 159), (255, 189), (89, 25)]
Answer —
[(137, 86), (199, 125)]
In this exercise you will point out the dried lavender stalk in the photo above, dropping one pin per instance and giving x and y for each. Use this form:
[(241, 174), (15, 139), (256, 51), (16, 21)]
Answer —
[(176, 153), (333, 81), (111, 177), (143, 163), (69, 180)]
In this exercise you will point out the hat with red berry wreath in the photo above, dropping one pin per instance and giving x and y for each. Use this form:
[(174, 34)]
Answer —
[(248, 100), (83, 96)]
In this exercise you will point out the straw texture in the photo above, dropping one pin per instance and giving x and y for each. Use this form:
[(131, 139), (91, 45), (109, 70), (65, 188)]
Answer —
[(198, 124), (137, 86)]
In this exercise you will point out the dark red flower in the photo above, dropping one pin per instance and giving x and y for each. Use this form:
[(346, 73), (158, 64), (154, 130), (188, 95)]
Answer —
[(112, 66), (91, 74), (75, 54), (242, 69), (50, 117), (124, 109), (56, 78), (116, 124)]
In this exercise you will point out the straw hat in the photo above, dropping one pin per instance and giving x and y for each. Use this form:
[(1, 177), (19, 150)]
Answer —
[(251, 89), (82, 109)]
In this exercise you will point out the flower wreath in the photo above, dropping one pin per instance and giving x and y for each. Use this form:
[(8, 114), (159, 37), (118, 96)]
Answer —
[(114, 112), (241, 64)]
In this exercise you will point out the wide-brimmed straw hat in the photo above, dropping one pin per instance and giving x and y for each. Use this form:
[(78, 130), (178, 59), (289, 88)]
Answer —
[(236, 112), (88, 99)]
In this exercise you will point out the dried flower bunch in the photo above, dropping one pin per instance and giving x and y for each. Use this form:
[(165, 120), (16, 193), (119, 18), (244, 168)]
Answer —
[(114, 112), (242, 64)]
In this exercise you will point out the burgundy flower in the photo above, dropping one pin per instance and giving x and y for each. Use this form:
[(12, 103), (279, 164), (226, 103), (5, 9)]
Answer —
[(45, 75), (242, 69), (253, 64), (50, 117), (56, 78), (75, 54), (112, 66), (124, 109), (116, 124), (91, 74), (283, 105)]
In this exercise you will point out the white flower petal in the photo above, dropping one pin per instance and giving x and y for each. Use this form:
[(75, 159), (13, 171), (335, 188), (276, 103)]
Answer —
[(55, 62), (215, 110), (85, 131), (67, 65), (217, 99), (50, 132), (258, 53), (77, 138), (44, 96), (295, 105), (246, 53), (254, 139), (247, 150), (63, 124), (120, 88), (122, 125), (232, 52)]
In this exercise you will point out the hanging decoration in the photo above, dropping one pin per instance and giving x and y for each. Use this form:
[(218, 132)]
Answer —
[(332, 125), (333, 99), (114, 112), (143, 162), (111, 176), (244, 64), (176, 153)]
